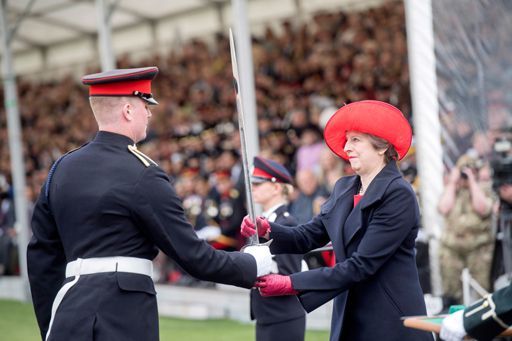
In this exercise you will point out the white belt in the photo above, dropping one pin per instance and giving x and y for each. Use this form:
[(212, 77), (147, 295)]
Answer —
[(109, 264), (98, 265)]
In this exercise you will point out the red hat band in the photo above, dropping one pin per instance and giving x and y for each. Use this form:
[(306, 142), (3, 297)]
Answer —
[(123, 82), (371, 117), (261, 174), (121, 88)]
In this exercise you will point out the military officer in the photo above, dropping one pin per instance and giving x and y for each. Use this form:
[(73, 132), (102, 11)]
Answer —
[(483, 320), (277, 318), (101, 215), (225, 210)]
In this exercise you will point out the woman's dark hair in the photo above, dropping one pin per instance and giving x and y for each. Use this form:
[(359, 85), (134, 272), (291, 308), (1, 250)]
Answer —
[(379, 144)]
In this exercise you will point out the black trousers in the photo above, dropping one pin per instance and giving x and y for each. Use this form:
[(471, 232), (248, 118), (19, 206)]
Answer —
[(291, 330)]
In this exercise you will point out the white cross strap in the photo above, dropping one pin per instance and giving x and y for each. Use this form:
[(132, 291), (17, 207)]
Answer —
[(89, 266)]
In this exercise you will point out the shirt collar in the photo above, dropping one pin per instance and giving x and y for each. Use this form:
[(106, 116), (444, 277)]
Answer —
[(271, 210)]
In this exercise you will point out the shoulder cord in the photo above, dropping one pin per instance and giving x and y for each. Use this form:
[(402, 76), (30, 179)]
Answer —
[(50, 175)]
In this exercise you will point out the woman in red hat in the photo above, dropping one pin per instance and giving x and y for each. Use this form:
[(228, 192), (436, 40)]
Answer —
[(372, 219)]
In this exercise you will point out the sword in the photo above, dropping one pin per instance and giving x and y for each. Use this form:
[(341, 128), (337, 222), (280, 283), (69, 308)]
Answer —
[(253, 240), (327, 247)]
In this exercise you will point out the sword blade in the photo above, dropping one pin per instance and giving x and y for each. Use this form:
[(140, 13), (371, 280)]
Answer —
[(327, 247), (254, 240)]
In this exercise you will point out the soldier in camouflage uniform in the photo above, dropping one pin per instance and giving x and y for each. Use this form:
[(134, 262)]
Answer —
[(467, 239)]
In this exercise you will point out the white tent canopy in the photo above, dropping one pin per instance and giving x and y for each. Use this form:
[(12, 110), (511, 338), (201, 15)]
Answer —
[(56, 36), (53, 37)]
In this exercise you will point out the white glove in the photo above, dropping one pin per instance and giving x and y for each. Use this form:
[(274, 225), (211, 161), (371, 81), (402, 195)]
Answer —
[(452, 328), (263, 258)]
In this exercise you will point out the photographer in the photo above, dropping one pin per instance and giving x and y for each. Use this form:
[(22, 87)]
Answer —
[(501, 164), (8, 250), (467, 240), (505, 192), (488, 317)]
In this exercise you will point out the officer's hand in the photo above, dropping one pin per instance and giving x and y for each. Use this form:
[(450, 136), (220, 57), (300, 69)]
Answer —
[(275, 285), (247, 228), (263, 258), (452, 328)]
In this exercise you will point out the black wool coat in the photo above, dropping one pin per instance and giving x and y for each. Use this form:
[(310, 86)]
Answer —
[(375, 280)]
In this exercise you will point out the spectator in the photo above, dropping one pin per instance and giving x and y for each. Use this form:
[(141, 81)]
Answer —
[(8, 250), (223, 206), (331, 168), (311, 145), (467, 240), (309, 191)]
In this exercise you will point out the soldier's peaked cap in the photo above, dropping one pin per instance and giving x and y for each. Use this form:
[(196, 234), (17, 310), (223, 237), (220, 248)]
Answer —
[(269, 170), (123, 82)]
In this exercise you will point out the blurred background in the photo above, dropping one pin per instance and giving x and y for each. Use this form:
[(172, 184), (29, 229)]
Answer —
[(444, 63)]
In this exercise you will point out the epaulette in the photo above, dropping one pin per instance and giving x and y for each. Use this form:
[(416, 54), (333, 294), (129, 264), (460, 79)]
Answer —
[(52, 170), (146, 160)]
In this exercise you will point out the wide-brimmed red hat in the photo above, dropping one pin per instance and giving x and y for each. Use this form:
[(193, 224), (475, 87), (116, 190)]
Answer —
[(371, 117)]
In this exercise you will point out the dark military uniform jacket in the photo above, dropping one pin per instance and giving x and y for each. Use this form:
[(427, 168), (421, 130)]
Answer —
[(227, 211), (268, 310), (490, 316), (375, 280), (107, 199)]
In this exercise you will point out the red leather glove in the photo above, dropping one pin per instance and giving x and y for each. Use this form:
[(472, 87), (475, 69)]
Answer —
[(275, 285), (247, 228)]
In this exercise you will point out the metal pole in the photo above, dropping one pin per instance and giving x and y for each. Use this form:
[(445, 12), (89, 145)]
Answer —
[(422, 68), (104, 39), (219, 9), (244, 50), (15, 147), (299, 9)]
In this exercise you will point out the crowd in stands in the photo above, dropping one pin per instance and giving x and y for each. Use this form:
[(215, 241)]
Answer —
[(304, 71)]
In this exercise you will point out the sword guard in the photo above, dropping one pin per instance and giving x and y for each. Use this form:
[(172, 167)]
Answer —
[(267, 243)]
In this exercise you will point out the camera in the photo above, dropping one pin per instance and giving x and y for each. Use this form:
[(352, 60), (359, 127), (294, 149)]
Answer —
[(473, 168), (469, 162)]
